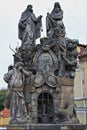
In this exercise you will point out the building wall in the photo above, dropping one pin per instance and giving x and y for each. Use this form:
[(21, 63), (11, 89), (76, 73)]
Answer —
[(83, 65), (80, 91), (4, 121), (4, 117)]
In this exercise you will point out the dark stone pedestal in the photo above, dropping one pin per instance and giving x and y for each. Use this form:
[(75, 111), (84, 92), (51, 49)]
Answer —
[(46, 127)]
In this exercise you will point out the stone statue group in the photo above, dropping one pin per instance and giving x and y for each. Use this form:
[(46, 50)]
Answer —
[(20, 76)]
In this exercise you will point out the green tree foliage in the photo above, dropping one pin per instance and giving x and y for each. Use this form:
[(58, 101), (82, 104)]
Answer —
[(2, 98)]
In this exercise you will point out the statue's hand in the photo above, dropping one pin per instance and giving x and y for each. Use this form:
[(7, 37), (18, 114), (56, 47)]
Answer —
[(30, 72)]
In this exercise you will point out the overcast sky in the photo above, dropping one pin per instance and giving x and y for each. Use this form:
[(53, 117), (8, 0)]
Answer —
[(75, 21)]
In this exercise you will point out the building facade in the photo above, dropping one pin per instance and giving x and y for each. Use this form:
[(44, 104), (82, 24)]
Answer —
[(80, 85), (4, 117)]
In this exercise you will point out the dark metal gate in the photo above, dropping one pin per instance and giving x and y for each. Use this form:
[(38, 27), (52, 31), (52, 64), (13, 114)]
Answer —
[(45, 108)]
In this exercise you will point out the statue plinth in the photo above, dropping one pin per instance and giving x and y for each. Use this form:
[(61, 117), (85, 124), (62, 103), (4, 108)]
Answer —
[(46, 127)]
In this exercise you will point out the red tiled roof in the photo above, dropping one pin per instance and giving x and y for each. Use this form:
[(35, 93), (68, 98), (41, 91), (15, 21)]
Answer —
[(5, 113)]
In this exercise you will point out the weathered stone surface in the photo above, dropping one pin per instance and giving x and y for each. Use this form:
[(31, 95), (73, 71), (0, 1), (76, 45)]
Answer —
[(41, 80), (46, 127)]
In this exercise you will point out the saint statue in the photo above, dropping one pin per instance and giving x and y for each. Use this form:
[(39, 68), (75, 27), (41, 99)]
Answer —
[(29, 26), (54, 19)]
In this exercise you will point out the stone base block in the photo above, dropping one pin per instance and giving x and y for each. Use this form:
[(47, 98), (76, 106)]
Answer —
[(46, 127)]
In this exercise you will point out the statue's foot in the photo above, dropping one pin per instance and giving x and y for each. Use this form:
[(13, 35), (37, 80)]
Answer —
[(13, 121), (21, 120), (71, 121)]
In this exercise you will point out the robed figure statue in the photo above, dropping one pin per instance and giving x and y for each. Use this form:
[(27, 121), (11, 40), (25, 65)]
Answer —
[(29, 26), (54, 19)]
